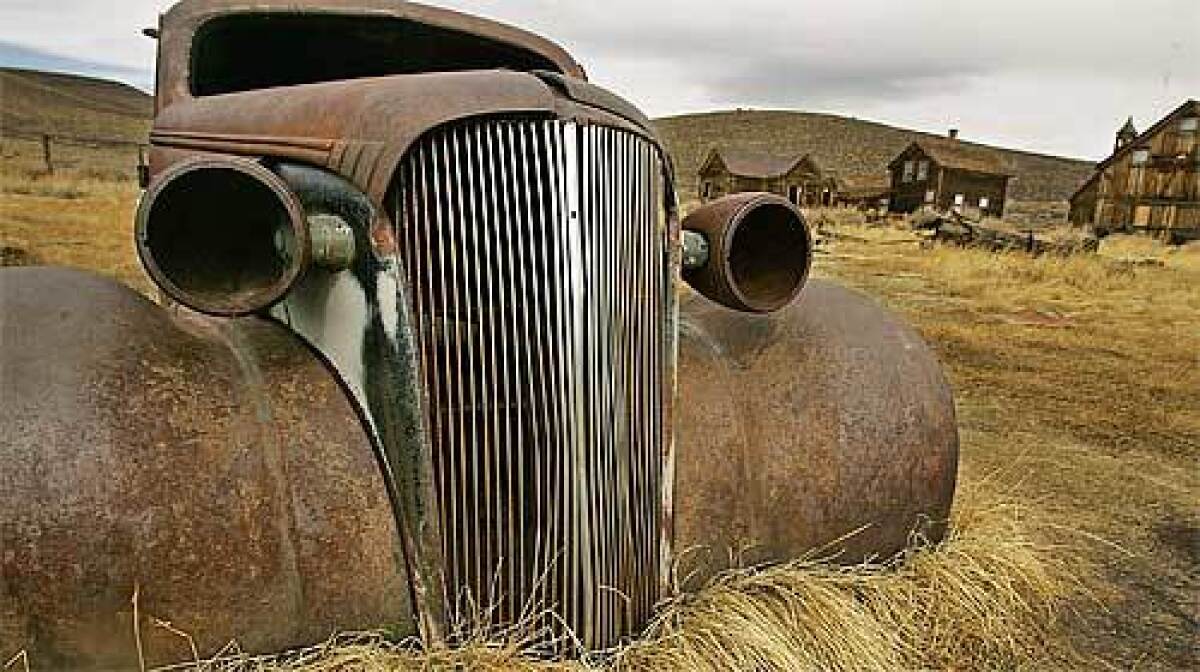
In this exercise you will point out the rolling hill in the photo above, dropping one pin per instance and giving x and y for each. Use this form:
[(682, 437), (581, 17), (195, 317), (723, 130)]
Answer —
[(845, 145), (71, 106), (95, 125), (33, 102)]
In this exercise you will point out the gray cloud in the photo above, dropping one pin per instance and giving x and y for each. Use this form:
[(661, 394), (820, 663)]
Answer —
[(772, 52), (1050, 76)]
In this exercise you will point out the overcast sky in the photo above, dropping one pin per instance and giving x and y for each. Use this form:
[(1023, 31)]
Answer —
[(1056, 76)]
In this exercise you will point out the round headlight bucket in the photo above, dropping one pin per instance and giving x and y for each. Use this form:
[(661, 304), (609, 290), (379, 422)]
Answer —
[(223, 236), (757, 254)]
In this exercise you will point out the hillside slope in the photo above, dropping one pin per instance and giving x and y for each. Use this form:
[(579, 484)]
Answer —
[(845, 145), (95, 125), (71, 105)]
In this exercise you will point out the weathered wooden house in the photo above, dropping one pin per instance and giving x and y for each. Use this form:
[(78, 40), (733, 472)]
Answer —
[(1150, 183), (947, 173), (795, 177)]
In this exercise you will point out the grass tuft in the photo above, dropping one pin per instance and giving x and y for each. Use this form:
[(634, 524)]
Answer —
[(990, 596)]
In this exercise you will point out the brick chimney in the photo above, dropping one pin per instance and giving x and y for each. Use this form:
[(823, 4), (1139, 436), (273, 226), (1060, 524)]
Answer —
[(952, 134)]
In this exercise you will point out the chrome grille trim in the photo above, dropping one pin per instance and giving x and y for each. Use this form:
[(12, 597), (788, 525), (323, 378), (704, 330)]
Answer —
[(537, 254)]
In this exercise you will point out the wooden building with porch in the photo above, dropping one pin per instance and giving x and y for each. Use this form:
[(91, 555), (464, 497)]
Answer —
[(948, 174), (1150, 183), (796, 177)]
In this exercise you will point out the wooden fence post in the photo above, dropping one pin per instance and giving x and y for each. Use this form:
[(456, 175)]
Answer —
[(143, 167), (46, 157)]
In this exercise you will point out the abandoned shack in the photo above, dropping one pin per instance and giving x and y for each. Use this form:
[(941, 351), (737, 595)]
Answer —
[(1150, 183), (795, 177), (865, 192), (948, 174)]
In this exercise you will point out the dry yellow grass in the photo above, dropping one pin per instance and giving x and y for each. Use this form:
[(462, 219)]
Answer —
[(1081, 376), (988, 597), (72, 220), (1108, 346)]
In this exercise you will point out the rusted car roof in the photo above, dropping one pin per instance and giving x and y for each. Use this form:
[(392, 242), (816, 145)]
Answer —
[(434, 16), (181, 21), (191, 10)]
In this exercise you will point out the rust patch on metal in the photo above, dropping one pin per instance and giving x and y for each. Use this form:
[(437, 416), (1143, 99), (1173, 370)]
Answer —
[(215, 464), (759, 251), (806, 425), (307, 149)]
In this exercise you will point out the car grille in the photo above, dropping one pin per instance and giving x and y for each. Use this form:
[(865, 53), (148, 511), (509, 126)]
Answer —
[(540, 281)]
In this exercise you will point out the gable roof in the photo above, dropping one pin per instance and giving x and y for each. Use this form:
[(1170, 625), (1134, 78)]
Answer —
[(960, 155), (755, 164), (1083, 187), (1189, 106), (864, 184)]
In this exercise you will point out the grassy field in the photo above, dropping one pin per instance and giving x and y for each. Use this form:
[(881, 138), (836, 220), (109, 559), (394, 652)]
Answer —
[(985, 598), (66, 220), (1078, 378), (1078, 392)]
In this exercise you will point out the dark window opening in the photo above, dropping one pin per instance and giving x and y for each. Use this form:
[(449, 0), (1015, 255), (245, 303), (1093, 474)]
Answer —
[(258, 51)]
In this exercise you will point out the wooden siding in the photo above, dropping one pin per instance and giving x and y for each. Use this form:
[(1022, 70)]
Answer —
[(803, 184), (973, 187), (939, 186), (1152, 184), (1083, 203)]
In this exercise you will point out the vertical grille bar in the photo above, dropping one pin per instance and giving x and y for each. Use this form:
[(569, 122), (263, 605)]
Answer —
[(536, 257), (481, 354), (516, 341)]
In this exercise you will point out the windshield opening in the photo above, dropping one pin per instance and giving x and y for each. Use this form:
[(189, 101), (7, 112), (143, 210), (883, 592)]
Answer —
[(256, 51)]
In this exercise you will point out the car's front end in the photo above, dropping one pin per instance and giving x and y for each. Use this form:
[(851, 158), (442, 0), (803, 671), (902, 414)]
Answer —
[(483, 251)]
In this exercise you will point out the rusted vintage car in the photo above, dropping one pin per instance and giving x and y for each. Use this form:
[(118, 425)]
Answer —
[(425, 356)]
